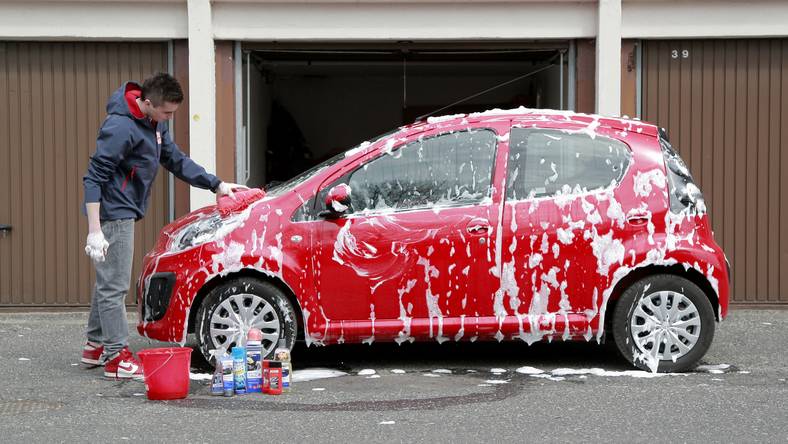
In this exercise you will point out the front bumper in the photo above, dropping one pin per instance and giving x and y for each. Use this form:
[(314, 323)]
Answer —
[(155, 295), (166, 289)]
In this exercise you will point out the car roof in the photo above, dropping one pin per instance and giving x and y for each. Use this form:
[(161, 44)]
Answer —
[(523, 114)]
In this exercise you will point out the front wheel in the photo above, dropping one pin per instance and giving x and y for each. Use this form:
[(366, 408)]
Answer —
[(663, 323), (231, 309)]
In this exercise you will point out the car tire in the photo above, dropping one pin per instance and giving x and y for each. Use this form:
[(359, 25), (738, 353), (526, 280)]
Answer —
[(254, 303), (666, 311)]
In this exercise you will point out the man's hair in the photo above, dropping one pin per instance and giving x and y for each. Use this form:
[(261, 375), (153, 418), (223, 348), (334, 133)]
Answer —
[(161, 87)]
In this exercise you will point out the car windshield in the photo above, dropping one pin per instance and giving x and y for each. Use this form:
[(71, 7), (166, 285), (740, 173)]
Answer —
[(280, 188)]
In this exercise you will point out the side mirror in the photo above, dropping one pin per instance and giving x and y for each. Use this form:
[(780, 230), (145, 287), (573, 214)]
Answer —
[(337, 201)]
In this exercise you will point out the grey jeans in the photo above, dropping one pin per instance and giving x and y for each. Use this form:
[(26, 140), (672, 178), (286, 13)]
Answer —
[(107, 323)]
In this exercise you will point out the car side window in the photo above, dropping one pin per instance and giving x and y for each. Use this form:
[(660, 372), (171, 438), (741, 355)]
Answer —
[(545, 162), (304, 212), (449, 169)]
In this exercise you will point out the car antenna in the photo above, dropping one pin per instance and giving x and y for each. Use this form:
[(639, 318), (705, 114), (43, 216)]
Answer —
[(550, 63)]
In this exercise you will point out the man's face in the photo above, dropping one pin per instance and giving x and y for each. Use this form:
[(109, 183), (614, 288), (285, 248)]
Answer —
[(163, 112)]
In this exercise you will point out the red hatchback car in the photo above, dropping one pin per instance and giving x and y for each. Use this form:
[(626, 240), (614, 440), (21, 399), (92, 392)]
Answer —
[(520, 224)]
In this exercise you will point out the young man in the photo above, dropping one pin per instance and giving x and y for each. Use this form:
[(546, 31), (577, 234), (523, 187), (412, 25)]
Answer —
[(132, 142)]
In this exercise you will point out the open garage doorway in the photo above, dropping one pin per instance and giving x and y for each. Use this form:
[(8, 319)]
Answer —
[(302, 105)]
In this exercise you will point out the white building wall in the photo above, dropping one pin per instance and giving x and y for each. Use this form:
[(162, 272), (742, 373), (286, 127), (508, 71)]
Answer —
[(704, 19), (404, 21), (202, 95), (608, 58), (378, 20), (66, 20), (392, 19)]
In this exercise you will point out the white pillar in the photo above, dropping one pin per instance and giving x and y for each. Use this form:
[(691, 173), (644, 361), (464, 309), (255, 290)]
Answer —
[(608, 58), (202, 95)]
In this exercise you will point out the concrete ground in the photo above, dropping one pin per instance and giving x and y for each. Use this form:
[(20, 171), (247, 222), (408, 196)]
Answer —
[(46, 396)]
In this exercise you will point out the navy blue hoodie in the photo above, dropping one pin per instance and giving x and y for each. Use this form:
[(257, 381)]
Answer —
[(128, 153)]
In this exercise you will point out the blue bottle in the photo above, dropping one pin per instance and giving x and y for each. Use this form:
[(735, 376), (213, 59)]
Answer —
[(239, 370)]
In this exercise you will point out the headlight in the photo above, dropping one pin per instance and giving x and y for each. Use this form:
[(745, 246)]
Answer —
[(204, 230)]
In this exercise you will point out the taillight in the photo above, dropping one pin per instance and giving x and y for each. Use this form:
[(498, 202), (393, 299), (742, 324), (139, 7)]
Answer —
[(683, 192)]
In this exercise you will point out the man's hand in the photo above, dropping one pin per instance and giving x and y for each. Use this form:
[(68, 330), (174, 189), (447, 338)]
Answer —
[(96, 246), (226, 189)]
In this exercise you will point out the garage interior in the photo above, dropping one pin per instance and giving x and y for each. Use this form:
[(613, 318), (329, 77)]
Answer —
[(302, 105)]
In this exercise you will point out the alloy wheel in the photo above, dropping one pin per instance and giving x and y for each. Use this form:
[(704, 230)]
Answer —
[(234, 316), (665, 325)]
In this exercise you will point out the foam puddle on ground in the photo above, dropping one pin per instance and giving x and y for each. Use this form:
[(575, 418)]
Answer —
[(563, 372), (714, 369), (200, 376), (312, 374), (559, 374), (496, 381)]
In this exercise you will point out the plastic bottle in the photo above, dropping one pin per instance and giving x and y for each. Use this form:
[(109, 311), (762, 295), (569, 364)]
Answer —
[(266, 375), (239, 370), (274, 378), (217, 383), (282, 354), (227, 374), (254, 364)]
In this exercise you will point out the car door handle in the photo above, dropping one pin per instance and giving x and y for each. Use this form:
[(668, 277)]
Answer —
[(638, 220), (478, 228), (4, 230)]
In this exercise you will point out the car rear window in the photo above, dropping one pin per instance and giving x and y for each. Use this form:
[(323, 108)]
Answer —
[(545, 162)]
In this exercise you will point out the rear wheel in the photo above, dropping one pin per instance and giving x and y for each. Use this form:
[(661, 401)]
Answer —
[(663, 323), (234, 307)]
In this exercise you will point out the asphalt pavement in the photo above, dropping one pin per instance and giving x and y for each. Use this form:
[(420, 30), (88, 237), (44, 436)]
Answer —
[(466, 392)]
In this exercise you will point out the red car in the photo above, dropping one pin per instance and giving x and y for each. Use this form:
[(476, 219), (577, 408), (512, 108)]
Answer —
[(521, 224)]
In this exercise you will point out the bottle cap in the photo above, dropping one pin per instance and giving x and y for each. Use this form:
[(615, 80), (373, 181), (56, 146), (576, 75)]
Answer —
[(239, 353), (254, 335)]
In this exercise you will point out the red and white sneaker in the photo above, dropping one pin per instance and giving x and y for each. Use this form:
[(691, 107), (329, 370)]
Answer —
[(123, 366), (91, 354)]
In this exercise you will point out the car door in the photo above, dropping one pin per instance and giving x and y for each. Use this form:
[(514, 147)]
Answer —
[(403, 262), (559, 215)]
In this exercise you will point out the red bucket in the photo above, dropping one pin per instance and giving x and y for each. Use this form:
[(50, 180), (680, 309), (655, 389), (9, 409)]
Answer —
[(166, 372)]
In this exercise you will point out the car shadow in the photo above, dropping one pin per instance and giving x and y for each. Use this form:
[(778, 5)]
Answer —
[(471, 355), (466, 355)]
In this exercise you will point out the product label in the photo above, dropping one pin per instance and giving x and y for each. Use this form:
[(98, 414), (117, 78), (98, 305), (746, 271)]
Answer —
[(227, 377), (254, 371), (239, 377), (217, 384), (285, 377)]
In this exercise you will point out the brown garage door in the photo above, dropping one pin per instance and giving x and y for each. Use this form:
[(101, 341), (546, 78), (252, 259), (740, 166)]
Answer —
[(725, 106), (52, 100)]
